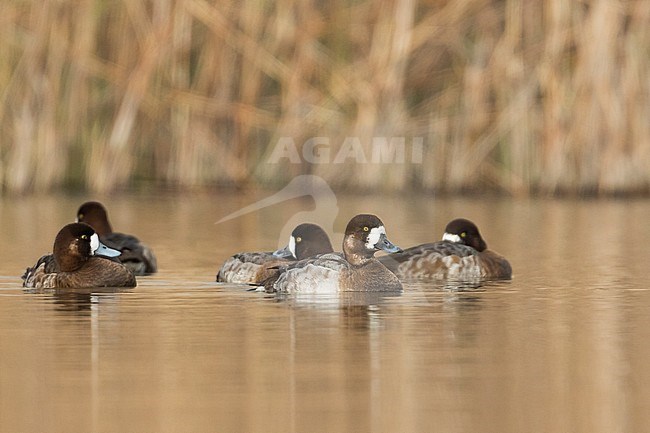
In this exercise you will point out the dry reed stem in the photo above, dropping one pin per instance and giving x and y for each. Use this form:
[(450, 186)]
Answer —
[(513, 95)]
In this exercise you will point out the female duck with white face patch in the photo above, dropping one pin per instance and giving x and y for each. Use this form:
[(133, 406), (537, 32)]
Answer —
[(78, 260), (354, 270), (306, 240), (462, 255)]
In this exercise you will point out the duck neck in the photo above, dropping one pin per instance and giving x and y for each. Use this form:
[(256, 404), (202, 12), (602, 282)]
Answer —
[(69, 262), (356, 252)]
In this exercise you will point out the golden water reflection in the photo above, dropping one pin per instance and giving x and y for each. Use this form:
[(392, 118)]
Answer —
[(562, 347)]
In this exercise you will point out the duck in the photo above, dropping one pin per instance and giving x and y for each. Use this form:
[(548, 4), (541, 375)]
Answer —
[(306, 240), (462, 255), (354, 270), (135, 255), (79, 259)]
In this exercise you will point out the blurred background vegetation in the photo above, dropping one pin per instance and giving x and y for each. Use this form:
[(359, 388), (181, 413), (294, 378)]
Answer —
[(515, 96)]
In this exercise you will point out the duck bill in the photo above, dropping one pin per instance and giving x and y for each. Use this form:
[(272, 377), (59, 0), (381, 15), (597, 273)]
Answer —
[(103, 250), (384, 244), (283, 253)]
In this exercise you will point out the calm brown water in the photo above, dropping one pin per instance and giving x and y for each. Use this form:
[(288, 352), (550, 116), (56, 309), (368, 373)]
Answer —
[(564, 347)]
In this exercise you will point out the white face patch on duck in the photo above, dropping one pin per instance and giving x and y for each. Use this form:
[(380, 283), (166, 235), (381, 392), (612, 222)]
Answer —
[(451, 238), (99, 249), (373, 236), (94, 244), (292, 246)]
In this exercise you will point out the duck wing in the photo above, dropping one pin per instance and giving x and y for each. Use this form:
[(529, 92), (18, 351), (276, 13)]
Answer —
[(136, 256), (34, 276), (315, 274), (431, 251), (248, 268)]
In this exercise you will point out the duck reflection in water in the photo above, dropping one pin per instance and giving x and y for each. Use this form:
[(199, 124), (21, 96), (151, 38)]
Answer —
[(81, 300), (350, 310)]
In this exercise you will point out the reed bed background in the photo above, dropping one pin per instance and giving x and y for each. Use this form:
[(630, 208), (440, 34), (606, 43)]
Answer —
[(516, 96)]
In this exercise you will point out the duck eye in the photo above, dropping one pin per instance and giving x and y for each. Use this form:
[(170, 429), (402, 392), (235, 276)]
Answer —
[(463, 234), (298, 239), (84, 237), (80, 216), (365, 228)]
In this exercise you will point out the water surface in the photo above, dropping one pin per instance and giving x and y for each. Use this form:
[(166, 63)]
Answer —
[(561, 347)]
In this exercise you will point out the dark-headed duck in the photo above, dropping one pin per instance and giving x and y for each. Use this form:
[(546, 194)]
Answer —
[(306, 240), (77, 262), (134, 254), (356, 270), (461, 255)]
